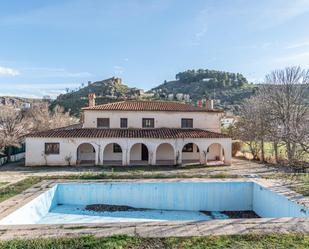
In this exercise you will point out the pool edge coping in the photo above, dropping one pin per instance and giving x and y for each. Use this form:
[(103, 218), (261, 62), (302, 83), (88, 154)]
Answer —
[(9, 206)]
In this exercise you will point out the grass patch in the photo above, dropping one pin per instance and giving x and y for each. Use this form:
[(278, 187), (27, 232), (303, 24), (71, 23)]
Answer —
[(17, 188), (3, 183), (147, 168), (252, 241), (301, 180), (135, 175)]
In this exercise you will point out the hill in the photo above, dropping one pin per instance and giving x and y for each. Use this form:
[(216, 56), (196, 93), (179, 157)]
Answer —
[(228, 89), (108, 90)]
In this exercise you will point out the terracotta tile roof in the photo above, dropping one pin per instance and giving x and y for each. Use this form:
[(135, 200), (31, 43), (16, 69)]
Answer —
[(150, 106), (163, 133)]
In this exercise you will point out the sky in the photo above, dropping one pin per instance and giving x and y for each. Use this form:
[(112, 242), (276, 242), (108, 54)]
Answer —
[(47, 46)]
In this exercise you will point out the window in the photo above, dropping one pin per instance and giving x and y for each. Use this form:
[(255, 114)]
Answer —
[(103, 122), (148, 122), (52, 148), (186, 123), (117, 148), (123, 123), (188, 148)]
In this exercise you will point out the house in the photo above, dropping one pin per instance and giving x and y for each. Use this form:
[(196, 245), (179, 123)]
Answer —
[(228, 121), (134, 133)]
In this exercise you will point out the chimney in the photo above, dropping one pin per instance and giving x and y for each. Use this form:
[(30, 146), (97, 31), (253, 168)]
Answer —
[(207, 104), (211, 104), (91, 98), (199, 103)]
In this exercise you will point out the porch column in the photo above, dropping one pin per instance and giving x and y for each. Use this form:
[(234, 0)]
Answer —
[(126, 157), (97, 155), (227, 147), (204, 157), (100, 154), (152, 157), (227, 155), (178, 158)]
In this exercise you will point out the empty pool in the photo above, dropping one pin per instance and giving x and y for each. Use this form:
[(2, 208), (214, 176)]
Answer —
[(152, 201)]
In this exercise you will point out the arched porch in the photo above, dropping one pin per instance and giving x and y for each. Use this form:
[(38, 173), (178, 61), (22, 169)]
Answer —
[(165, 154), (215, 154), (139, 154), (112, 154), (191, 154), (86, 154)]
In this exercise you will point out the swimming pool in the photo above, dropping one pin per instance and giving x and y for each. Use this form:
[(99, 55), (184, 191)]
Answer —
[(154, 201)]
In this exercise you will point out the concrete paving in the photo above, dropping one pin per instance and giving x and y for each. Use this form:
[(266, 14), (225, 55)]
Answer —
[(159, 229), (14, 172), (153, 229)]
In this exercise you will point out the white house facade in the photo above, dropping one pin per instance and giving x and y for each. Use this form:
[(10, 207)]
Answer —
[(134, 133)]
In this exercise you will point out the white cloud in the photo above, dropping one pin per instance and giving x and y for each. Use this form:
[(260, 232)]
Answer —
[(6, 71), (118, 70), (202, 23), (35, 90), (56, 72), (295, 59), (298, 45), (276, 12)]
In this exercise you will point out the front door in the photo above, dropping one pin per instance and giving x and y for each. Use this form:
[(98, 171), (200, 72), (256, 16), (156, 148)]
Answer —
[(144, 153)]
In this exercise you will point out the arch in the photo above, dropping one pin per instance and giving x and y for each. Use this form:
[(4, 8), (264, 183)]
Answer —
[(165, 154), (112, 154), (215, 154), (191, 154), (139, 154), (86, 154)]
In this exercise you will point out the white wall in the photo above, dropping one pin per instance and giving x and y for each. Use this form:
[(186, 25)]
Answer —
[(85, 152), (109, 154), (202, 120), (136, 152), (165, 152), (68, 148)]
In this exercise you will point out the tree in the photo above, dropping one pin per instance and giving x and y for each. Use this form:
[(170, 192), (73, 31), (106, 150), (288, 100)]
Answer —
[(286, 96), (253, 128), (279, 112), (13, 126), (41, 118), (15, 123)]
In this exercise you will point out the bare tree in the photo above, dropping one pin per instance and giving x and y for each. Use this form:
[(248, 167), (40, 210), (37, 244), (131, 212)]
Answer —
[(13, 126), (41, 118), (254, 128), (60, 118), (15, 123), (286, 95)]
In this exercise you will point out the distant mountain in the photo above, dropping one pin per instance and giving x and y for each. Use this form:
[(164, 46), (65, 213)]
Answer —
[(228, 89), (109, 90)]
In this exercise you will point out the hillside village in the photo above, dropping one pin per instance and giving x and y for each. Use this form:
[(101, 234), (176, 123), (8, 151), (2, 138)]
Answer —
[(224, 88)]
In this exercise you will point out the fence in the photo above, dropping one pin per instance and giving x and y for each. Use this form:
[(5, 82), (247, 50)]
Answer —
[(14, 158), (16, 154)]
